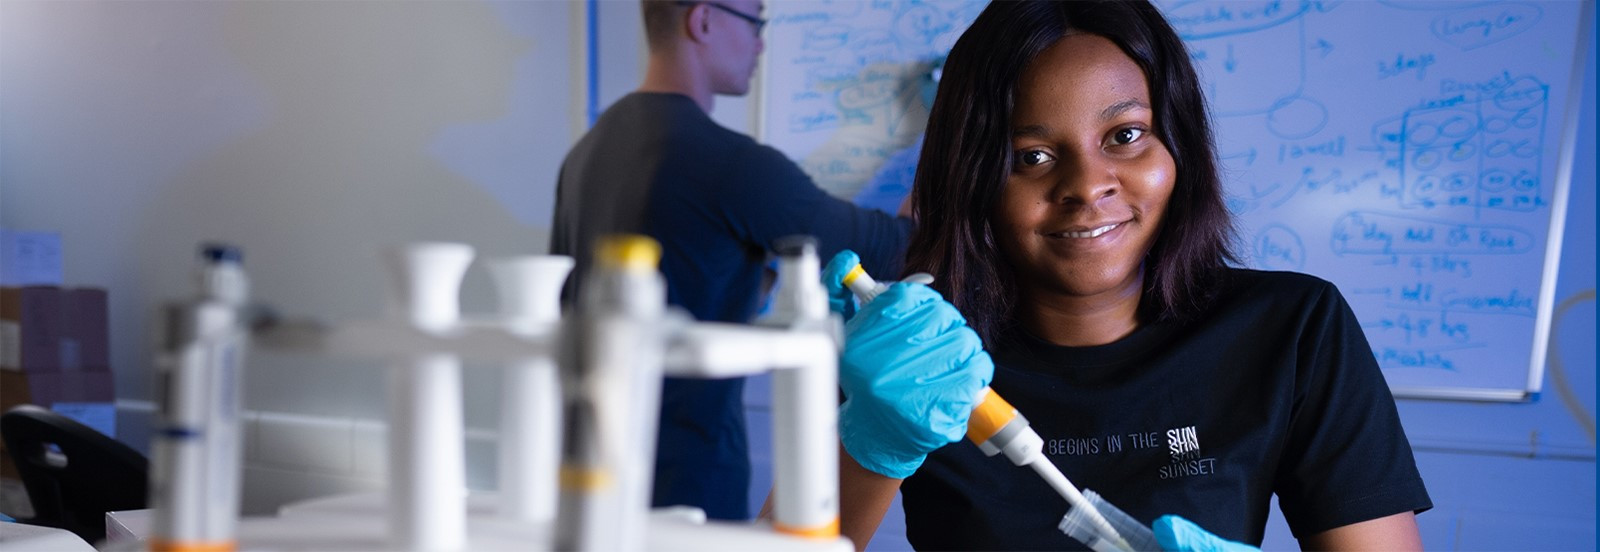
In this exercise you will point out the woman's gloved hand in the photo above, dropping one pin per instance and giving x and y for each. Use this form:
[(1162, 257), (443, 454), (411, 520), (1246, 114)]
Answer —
[(911, 371), (840, 299), (1176, 534)]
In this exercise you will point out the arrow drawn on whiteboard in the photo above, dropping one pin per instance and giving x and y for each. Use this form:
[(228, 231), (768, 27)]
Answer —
[(1324, 47), (1258, 193)]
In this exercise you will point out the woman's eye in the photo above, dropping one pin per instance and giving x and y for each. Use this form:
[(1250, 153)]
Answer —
[(1126, 135), (1033, 158)]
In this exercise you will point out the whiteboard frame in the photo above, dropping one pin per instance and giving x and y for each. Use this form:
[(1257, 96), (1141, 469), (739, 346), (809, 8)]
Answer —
[(1565, 158), (1462, 394)]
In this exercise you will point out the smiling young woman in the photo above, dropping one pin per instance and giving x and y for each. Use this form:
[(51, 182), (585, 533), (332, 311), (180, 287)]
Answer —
[(1071, 210)]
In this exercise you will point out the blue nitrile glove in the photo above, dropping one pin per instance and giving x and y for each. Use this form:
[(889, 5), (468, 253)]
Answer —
[(911, 372), (840, 298), (1176, 534)]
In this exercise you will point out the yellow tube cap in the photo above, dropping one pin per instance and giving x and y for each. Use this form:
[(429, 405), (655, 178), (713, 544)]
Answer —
[(628, 252), (855, 272)]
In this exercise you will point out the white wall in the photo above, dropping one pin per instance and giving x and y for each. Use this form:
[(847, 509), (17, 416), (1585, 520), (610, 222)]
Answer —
[(311, 134)]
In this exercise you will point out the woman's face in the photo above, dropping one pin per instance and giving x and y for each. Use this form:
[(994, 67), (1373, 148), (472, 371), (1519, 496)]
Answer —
[(1090, 180)]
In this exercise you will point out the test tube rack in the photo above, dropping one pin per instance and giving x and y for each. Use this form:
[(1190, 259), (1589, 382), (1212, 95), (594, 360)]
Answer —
[(544, 502)]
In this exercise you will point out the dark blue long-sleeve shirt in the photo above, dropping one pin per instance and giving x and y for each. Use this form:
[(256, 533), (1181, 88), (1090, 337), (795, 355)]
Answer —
[(716, 200)]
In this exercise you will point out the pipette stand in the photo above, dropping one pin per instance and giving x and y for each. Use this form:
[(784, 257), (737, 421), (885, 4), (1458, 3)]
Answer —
[(427, 506)]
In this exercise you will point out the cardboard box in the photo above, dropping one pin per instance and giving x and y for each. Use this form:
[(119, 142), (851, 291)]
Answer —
[(31, 324), (13, 390), (46, 329), (85, 330), (47, 389)]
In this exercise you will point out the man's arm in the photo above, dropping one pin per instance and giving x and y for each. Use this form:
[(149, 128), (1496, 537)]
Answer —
[(767, 197)]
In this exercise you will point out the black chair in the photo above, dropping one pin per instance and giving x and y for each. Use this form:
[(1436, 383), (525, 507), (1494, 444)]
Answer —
[(74, 488)]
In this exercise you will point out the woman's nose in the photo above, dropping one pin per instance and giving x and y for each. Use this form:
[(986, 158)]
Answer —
[(1085, 179)]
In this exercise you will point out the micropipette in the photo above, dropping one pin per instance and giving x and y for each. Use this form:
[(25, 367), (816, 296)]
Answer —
[(997, 427)]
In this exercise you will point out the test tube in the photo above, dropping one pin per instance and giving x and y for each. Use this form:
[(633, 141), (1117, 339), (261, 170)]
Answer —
[(530, 404), (804, 413), (427, 464)]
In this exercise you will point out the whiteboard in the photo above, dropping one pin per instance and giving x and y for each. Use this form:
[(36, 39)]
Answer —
[(1416, 154)]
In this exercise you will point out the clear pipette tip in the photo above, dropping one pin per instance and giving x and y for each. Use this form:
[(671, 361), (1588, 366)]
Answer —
[(1131, 535), (1079, 503)]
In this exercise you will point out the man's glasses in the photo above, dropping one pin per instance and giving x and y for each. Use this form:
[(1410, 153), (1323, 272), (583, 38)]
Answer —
[(751, 19)]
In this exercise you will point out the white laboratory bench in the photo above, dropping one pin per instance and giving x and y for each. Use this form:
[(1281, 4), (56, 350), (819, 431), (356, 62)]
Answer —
[(356, 523)]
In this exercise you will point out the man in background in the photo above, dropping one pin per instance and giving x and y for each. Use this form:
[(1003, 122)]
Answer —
[(655, 163)]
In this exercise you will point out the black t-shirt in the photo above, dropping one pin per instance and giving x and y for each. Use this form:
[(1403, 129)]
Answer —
[(1274, 390), (716, 200)]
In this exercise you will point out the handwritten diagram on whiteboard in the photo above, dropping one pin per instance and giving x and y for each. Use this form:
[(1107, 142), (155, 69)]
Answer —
[(847, 83), (1408, 151)]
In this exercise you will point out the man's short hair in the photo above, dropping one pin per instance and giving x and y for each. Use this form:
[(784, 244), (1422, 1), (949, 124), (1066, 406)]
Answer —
[(661, 17)]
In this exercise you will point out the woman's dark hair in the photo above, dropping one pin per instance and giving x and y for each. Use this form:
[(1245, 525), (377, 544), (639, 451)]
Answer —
[(966, 159)]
